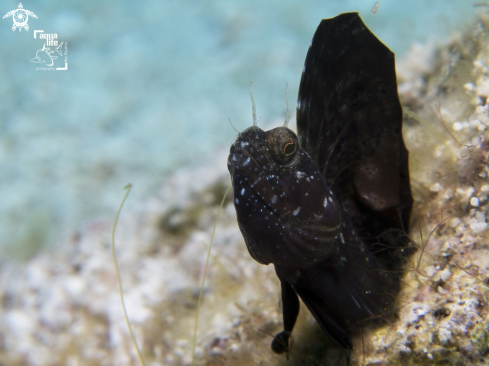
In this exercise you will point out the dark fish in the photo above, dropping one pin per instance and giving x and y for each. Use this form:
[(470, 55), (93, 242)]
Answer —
[(329, 208)]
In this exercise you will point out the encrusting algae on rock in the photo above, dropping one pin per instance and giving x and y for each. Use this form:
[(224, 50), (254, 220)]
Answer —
[(63, 307), (445, 300)]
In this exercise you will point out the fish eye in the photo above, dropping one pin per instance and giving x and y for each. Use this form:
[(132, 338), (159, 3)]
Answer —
[(289, 148), (282, 144)]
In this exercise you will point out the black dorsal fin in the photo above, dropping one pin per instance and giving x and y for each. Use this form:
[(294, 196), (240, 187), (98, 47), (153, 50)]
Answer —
[(349, 119)]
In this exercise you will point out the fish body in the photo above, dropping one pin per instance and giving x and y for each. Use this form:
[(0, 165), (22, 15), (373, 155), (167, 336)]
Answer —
[(328, 207)]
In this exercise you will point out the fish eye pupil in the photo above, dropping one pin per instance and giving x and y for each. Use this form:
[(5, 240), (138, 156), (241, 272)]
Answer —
[(289, 148)]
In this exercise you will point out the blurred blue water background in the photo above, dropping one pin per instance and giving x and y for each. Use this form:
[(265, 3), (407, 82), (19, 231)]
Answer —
[(149, 88)]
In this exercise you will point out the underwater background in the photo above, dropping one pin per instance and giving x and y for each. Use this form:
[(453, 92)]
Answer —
[(149, 88), (98, 94)]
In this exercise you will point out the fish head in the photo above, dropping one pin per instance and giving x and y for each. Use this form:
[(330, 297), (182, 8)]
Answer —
[(277, 188)]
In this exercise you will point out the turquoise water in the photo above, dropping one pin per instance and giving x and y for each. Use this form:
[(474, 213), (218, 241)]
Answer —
[(149, 88)]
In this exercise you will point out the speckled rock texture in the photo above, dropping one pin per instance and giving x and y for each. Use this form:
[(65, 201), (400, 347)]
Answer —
[(444, 305), (62, 307)]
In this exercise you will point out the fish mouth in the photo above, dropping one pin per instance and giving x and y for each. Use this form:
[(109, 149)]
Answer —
[(241, 159), (242, 150)]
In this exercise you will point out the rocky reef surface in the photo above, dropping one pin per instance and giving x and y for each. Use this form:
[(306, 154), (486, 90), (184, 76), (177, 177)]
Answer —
[(443, 307), (63, 307)]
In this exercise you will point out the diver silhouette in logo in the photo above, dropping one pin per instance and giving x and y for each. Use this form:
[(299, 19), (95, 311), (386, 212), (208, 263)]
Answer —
[(20, 17), (47, 56)]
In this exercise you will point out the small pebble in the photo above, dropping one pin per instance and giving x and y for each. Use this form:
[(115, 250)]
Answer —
[(435, 187), (430, 271), (476, 141), (478, 63), (474, 201), (403, 349), (458, 126), (469, 86), (445, 274), (478, 227), (454, 222)]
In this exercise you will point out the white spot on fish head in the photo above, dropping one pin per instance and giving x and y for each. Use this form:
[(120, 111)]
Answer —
[(273, 199), (246, 161), (300, 175), (242, 191), (296, 211), (236, 200), (325, 203)]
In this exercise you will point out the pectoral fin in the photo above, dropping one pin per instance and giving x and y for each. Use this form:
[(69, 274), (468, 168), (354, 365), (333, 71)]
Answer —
[(333, 325), (290, 310)]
